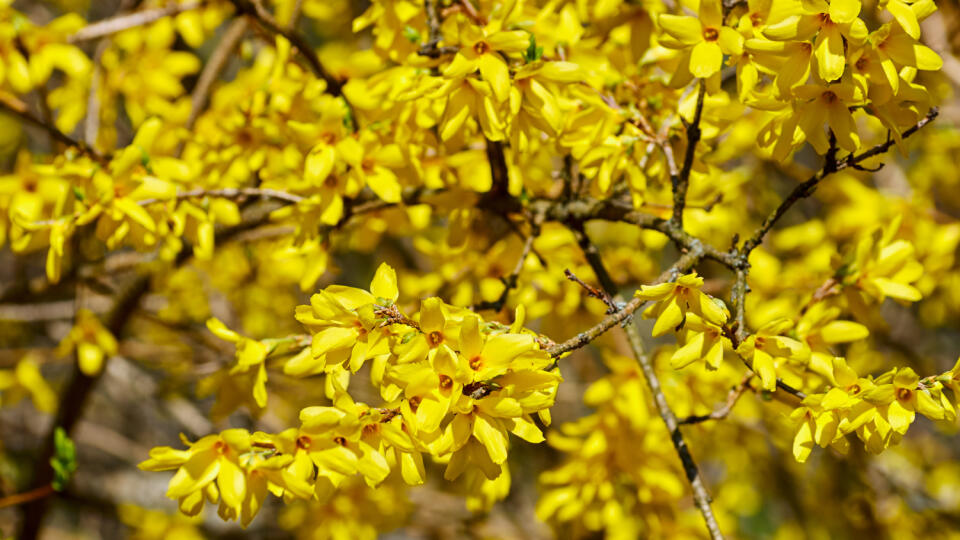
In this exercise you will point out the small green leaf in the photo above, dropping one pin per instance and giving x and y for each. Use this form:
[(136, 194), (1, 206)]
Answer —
[(64, 460), (533, 53), (78, 194), (411, 34)]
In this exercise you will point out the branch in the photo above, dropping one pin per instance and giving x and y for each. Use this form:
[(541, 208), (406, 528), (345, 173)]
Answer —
[(211, 71), (683, 264), (431, 48), (682, 181), (723, 411), (510, 282), (27, 496), (255, 10), (126, 21), (231, 193), (700, 496), (807, 188), (19, 109)]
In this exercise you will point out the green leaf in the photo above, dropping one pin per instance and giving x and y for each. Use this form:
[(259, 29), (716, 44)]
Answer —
[(64, 460), (411, 34), (533, 53)]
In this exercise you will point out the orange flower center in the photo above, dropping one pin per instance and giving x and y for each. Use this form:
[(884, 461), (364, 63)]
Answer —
[(476, 363), (340, 440), (303, 442), (414, 403), (904, 394), (446, 383), (481, 47), (710, 34), (434, 338)]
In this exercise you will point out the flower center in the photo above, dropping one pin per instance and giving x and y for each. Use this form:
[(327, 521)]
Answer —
[(829, 96), (446, 383), (434, 338), (476, 363), (414, 403), (710, 34), (481, 47), (904, 394), (340, 440), (303, 442)]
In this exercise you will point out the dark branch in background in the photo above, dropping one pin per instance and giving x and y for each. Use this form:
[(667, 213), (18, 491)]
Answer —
[(700, 496), (432, 47), (212, 69), (510, 282), (683, 264), (592, 291), (723, 411), (255, 10), (126, 21), (807, 188), (682, 181), (19, 109)]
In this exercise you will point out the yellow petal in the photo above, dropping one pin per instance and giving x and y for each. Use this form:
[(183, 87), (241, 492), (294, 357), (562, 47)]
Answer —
[(706, 59), (384, 284)]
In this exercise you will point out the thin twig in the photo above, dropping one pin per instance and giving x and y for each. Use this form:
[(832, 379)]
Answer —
[(682, 181), (510, 282), (19, 109), (700, 496), (719, 414), (27, 496), (255, 10), (213, 68), (810, 185), (683, 264), (126, 21)]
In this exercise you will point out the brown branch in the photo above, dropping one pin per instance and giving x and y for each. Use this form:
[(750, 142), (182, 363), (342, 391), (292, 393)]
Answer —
[(27, 496), (510, 282), (719, 414), (682, 180), (700, 496), (807, 188), (19, 109), (683, 264), (432, 47), (126, 21), (592, 291), (230, 193), (213, 68), (255, 10)]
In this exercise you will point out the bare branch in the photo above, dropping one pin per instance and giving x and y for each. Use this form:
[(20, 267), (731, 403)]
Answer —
[(807, 188), (682, 180), (19, 109), (724, 411), (126, 21)]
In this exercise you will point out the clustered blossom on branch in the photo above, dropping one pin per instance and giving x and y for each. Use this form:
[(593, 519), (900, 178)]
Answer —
[(511, 140)]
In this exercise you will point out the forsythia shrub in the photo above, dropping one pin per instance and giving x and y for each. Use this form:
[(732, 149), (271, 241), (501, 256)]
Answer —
[(666, 225)]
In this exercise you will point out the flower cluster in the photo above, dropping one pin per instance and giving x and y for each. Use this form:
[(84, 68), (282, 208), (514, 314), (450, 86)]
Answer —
[(454, 388)]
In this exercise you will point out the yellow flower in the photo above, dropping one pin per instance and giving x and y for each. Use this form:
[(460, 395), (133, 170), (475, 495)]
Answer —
[(767, 348), (344, 327), (91, 341), (481, 49), (704, 39), (831, 23), (703, 341), (26, 380), (672, 301), (821, 105), (210, 468)]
